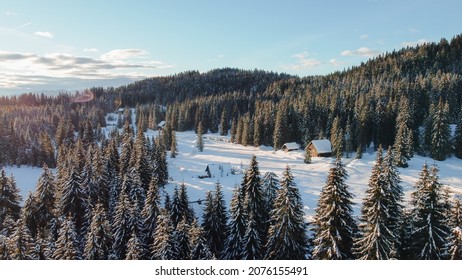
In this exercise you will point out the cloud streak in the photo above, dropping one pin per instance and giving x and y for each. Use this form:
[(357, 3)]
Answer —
[(363, 51), (303, 61), (44, 34), (25, 70)]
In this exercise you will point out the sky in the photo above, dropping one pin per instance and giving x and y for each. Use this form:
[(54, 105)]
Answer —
[(52, 45)]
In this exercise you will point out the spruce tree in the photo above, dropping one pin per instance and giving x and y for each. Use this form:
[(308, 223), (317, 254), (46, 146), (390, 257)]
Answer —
[(255, 236), (287, 238), (163, 246), (199, 248), (98, 242), (270, 187), (150, 212), (224, 125), (404, 143), (458, 137), (455, 239), (182, 238), (233, 249), (20, 244), (430, 211), (376, 241), (10, 198), (135, 247), (336, 138), (215, 220), (199, 140), (440, 132), (174, 146), (334, 225), (121, 226), (67, 245)]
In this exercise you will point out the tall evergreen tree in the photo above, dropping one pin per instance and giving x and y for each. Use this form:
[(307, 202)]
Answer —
[(334, 225), (199, 140), (182, 238), (122, 227), (20, 244), (67, 245), (255, 237), (376, 241), (287, 239), (233, 249), (455, 239), (199, 248), (404, 143), (336, 138), (440, 132), (174, 146), (270, 187), (98, 242), (163, 246), (458, 137), (429, 217), (10, 198), (150, 212)]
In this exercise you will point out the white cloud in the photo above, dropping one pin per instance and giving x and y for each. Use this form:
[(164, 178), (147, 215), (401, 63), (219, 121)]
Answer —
[(24, 70), (44, 34), (123, 54), (363, 36), (304, 61), (334, 62), (363, 51), (90, 50), (415, 43)]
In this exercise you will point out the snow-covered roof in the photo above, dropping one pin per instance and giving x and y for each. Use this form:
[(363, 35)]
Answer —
[(291, 146), (322, 146), (218, 169), (161, 124)]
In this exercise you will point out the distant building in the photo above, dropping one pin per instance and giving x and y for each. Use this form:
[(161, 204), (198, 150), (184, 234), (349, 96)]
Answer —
[(292, 146), (217, 170), (320, 148)]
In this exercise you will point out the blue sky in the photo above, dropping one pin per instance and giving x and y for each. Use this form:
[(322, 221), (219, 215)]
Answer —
[(69, 45)]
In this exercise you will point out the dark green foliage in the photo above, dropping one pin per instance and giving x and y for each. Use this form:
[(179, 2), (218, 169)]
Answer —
[(10, 198), (334, 226), (430, 214), (98, 242), (67, 245), (233, 249), (287, 239)]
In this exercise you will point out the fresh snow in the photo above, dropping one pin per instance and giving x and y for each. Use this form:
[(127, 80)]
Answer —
[(310, 178)]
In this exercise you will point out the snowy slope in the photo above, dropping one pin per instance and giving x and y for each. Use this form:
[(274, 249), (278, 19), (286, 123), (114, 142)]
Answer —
[(310, 178)]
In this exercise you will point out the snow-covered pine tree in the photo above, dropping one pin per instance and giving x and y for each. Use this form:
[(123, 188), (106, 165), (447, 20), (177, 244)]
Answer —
[(10, 198), (334, 225), (430, 212), (112, 170), (233, 248), (270, 187), (455, 222), (20, 244), (135, 247), (199, 140), (280, 128), (121, 226), (440, 132), (159, 163), (174, 146), (395, 198), (127, 149), (182, 238), (404, 143), (67, 245), (255, 236), (287, 239), (376, 240), (163, 247), (215, 221), (141, 161), (44, 201), (98, 242), (336, 137), (199, 248), (150, 212)]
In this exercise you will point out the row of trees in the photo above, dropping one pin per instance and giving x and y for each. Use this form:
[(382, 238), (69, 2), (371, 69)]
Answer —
[(105, 211)]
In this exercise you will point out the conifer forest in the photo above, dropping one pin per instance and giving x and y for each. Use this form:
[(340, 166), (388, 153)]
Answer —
[(105, 194)]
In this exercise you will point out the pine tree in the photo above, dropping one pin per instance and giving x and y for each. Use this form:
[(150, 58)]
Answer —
[(270, 189), (307, 158), (224, 125), (404, 143), (159, 163), (254, 237), (9, 198), (233, 249), (336, 138), (287, 239), (67, 245), (121, 226), (163, 246), (199, 140), (150, 212), (135, 247), (99, 237), (280, 129), (20, 244), (199, 248), (440, 132), (174, 146), (334, 225), (376, 241), (215, 221), (429, 217), (182, 238)]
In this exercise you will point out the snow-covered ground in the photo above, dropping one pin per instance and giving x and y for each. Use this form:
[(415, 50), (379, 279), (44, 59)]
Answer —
[(310, 178)]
